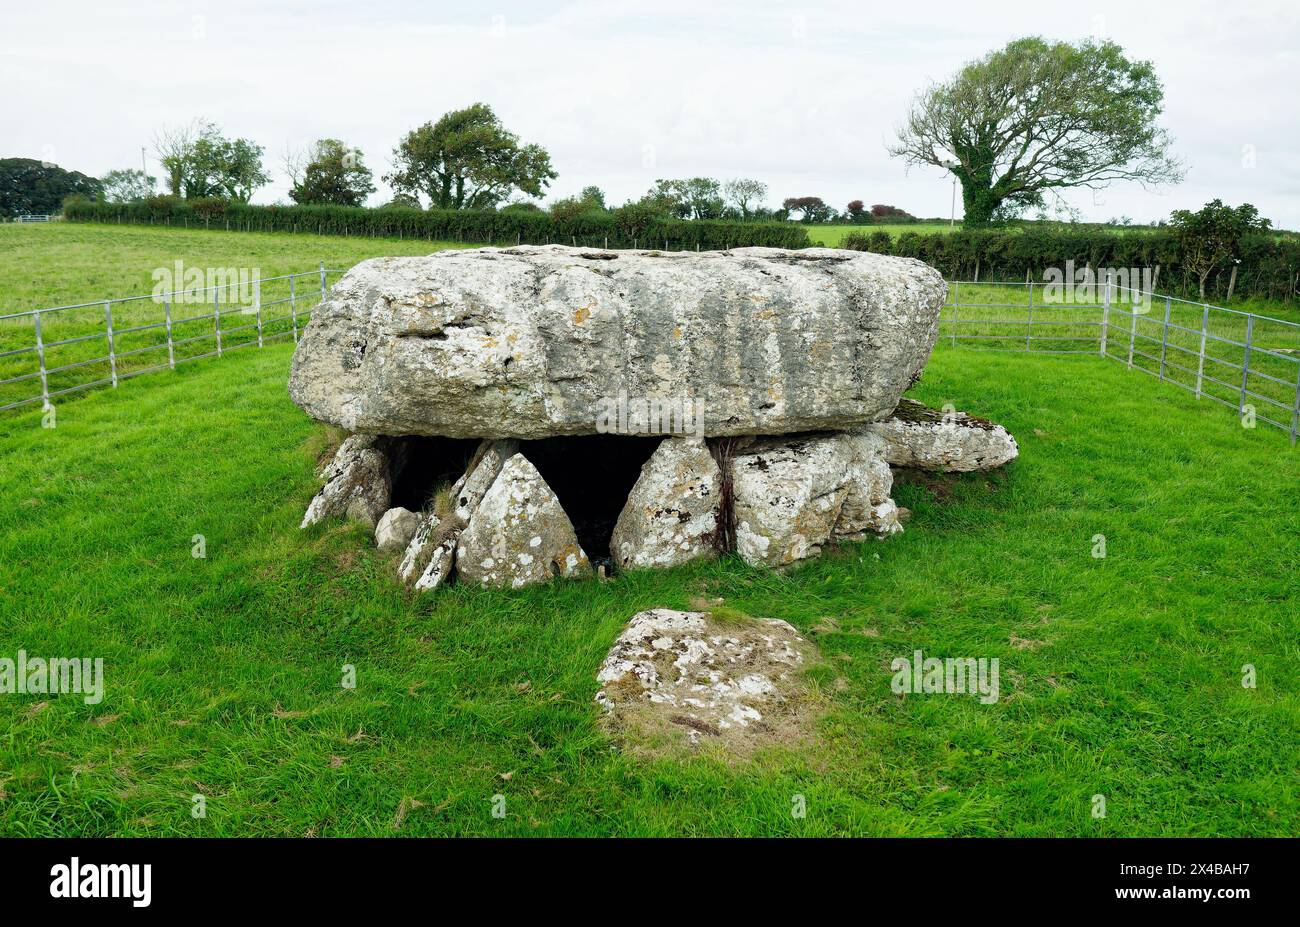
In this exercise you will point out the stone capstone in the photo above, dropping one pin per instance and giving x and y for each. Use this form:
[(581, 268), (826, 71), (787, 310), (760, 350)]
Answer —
[(672, 513), (358, 483), (951, 442), (519, 534), (535, 342)]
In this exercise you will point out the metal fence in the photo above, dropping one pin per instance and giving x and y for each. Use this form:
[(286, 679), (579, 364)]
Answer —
[(1245, 361), (47, 353)]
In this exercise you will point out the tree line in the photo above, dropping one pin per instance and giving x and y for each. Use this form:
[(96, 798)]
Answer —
[(467, 159)]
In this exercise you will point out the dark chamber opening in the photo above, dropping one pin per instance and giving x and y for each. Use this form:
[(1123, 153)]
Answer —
[(591, 475), (428, 464)]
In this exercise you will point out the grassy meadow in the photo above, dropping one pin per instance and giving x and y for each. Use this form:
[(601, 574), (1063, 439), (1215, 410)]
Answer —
[(831, 235), (1120, 676)]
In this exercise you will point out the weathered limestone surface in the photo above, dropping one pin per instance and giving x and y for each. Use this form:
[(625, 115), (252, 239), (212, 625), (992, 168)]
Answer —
[(529, 342), (519, 534), (672, 512), (792, 496), (358, 483), (705, 678), (396, 529), (788, 495), (868, 509), (918, 436)]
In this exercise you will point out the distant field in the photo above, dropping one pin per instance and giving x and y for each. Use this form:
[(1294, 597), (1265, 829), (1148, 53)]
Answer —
[(832, 235), (63, 264)]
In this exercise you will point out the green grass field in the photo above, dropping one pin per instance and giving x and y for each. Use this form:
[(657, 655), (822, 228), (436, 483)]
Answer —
[(1120, 676), (62, 264), (832, 235)]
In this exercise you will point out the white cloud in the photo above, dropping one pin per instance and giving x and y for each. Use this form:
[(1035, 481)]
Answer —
[(803, 98)]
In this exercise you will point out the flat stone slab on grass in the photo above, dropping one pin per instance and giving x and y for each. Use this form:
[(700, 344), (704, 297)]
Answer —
[(678, 678), (926, 439)]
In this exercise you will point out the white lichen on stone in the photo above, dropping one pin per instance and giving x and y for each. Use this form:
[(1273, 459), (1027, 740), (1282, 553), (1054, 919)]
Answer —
[(672, 513), (700, 675), (494, 549)]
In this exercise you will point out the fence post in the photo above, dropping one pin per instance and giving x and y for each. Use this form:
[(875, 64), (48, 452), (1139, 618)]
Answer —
[(322, 280), (1164, 337), (216, 317), (1105, 320), (1200, 363), (1132, 331), (171, 345), (956, 299), (293, 305), (1295, 411), (1245, 362), (40, 355), (112, 350), (1029, 329), (258, 299)]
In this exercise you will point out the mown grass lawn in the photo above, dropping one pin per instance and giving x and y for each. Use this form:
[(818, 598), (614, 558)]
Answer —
[(1120, 676)]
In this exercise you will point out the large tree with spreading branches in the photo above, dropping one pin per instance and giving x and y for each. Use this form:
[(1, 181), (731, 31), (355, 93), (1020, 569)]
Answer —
[(1035, 118), (468, 160)]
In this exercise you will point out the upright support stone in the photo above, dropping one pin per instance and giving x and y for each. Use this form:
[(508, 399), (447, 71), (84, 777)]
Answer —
[(672, 513), (787, 496), (428, 559), (519, 535), (358, 483)]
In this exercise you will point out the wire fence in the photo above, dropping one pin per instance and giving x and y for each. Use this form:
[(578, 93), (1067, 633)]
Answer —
[(54, 352), (1247, 362)]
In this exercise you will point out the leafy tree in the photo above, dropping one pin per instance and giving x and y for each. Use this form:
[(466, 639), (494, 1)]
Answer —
[(593, 195), (634, 219), (665, 199), (744, 195), (225, 167), (402, 201), (1211, 236), (856, 210), (811, 208), (127, 186), (172, 146), (468, 160), (687, 198), (591, 199), (1033, 119), (30, 187), (335, 174), (201, 162)]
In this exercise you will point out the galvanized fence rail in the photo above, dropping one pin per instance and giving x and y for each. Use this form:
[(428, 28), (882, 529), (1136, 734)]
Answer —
[(1245, 361), (53, 352)]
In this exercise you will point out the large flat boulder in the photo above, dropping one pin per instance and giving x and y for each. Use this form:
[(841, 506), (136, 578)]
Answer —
[(534, 342)]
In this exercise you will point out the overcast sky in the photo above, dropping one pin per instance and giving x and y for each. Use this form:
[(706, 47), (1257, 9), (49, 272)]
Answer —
[(804, 98)]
